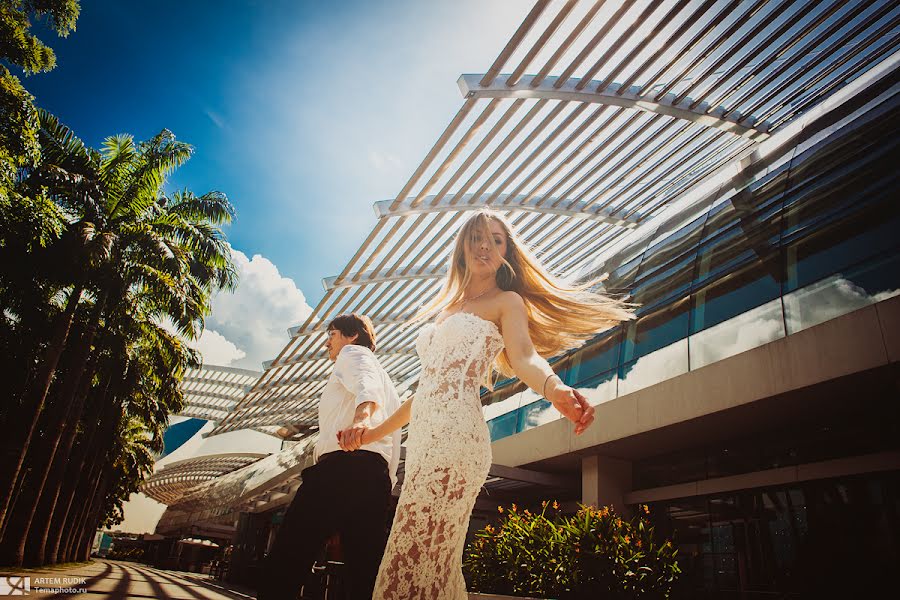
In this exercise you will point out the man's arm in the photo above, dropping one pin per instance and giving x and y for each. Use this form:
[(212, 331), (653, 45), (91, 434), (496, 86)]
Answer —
[(351, 439), (359, 372), (398, 419)]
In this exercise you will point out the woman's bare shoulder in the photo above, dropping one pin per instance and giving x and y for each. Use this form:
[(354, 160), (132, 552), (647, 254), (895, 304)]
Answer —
[(509, 300)]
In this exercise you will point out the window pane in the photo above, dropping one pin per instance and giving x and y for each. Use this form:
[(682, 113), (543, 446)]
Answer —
[(746, 331), (503, 426), (656, 330), (756, 282), (599, 357), (600, 388), (843, 243), (757, 206), (536, 414), (842, 293), (667, 272), (841, 209), (652, 368)]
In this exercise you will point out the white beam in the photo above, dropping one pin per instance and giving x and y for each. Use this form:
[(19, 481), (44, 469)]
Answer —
[(215, 395), (234, 370), (611, 95), (354, 279), (464, 202)]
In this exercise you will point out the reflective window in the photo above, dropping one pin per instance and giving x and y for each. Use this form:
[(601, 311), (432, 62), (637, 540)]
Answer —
[(668, 267), (656, 330), (751, 329), (779, 541), (598, 357), (834, 224), (599, 388), (755, 207), (655, 367), (621, 279), (622, 267), (842, 293), (536, 414), (756, 282), (503, 426)]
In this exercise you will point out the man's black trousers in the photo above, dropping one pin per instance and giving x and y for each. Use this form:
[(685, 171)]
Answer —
[(346, 493)]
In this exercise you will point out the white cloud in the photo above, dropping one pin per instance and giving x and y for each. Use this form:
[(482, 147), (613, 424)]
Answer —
[(250, 325), (217, 350)]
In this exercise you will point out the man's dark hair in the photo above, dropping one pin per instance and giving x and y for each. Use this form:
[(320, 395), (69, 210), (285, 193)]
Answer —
[(355, 324)]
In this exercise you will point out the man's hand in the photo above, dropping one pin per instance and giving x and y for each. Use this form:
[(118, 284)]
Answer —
[(351, 439)]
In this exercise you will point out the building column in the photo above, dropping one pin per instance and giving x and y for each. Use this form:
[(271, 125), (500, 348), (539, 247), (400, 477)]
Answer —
[(605, 481)]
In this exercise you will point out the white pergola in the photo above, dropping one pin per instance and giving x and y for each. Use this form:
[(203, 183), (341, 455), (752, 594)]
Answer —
[(174, 481), (594, 118), (212, 392)]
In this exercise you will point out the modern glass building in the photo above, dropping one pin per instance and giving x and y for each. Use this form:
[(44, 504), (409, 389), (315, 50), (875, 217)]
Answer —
[(790, 284), (732, 166)]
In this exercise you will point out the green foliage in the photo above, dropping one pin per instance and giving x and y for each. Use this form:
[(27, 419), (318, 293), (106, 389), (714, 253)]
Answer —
[(94, 231), (592, 554), (18, 45), (19, 146)]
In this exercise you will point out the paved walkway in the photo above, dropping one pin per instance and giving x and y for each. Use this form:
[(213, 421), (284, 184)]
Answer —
[(109, 579)]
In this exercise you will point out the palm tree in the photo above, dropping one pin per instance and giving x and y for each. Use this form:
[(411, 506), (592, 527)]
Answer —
[(68, 171), (165, 256)]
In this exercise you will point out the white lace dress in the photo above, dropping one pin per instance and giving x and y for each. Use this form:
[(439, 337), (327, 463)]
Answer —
[(448, 455)]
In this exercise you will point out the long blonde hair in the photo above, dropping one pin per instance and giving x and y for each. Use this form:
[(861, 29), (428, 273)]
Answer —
[(561, 316)]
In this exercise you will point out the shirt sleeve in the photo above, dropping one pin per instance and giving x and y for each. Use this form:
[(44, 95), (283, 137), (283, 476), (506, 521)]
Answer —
[(357, 369)]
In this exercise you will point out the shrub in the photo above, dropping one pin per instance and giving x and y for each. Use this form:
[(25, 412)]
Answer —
[(592, 554)]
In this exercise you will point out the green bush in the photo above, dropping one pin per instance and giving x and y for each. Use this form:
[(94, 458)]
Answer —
[(592, 554)]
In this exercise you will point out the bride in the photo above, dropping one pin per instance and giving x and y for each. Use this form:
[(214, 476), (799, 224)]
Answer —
[(498, 308)]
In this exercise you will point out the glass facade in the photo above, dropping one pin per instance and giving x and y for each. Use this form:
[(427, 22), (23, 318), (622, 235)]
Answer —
[(822, 539), (811, 239)]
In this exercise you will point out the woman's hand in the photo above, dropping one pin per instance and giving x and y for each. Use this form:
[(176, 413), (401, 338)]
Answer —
[(354, 437), (571, 404)]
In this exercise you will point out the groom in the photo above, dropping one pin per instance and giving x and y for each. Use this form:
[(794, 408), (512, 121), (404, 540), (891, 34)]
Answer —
[(343, 492)]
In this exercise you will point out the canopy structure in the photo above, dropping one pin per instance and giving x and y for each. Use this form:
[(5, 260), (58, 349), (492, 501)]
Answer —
[(174, 481), (595, 118), (212, 392)]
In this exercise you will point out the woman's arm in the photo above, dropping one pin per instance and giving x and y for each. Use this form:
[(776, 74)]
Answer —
[(536, 372), (398, 419)]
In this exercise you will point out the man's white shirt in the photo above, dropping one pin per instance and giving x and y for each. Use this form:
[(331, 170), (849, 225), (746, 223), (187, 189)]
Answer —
[(358, 378)]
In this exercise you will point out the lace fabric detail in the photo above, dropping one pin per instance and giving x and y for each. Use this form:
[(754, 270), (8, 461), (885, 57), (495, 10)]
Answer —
[(448, 455)]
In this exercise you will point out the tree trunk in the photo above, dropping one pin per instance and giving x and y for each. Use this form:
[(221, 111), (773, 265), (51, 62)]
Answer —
[(94, 514), (40, 526), (75, 471), (15, 535), (15, 453), (84, 490), (91, 492)]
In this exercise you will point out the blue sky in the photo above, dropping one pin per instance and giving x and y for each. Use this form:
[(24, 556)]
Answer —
[(304, 113)]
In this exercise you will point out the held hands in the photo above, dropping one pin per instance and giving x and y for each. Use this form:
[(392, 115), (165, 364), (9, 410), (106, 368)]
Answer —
[(354, 437), (571, 404)]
